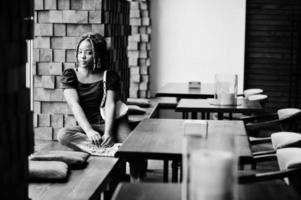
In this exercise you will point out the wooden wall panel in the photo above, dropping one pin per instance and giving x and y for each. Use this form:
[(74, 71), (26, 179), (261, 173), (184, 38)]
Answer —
[(16, 139), (272, 55)]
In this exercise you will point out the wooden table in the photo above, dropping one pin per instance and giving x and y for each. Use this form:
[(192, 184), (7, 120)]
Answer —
[(162, 139), (205, 106), (181, 90), (170, 191), (87, 183)]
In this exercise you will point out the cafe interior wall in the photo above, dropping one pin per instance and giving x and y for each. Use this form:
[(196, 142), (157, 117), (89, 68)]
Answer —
[(194, 39)]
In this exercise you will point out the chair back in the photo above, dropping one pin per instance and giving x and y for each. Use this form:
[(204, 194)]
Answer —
[(290, 118), (252, 91), (261, 98), (289, 159)]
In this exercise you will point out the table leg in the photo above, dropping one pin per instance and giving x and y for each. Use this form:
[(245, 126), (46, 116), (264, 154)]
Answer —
[(230, 116), (203, 115), (208, 115), (175, 165), (165, 171), (181, 171), (194, 115), (220, 115), (185, 115)]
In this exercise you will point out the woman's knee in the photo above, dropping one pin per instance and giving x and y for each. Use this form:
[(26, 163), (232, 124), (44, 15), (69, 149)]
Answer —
[(122, 129)]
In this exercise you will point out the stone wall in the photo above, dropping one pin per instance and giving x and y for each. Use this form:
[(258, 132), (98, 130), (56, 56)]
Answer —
[(58, 25), (139, 48)]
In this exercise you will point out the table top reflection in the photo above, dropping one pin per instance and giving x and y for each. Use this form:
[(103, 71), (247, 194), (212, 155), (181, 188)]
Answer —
[(182, 90), (171, 191)]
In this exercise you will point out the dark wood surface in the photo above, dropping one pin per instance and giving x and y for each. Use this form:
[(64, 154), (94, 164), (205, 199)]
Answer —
[(84, 183), (153, 110), (181, 90), (272, 40), (170, 191), (204, 105), (163, 138)]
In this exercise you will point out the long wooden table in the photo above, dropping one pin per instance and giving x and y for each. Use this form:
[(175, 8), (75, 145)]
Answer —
[(172, 191), (162, 139), (181, 90), (205, 106)]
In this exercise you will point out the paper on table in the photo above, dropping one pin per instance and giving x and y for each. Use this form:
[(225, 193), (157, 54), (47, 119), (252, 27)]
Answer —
[(196, 128), (100, 151)]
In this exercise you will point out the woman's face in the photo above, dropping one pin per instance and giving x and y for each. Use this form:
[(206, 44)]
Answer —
[(85, 54)]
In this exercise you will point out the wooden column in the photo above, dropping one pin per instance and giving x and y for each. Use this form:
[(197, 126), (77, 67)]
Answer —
[(16, 138)]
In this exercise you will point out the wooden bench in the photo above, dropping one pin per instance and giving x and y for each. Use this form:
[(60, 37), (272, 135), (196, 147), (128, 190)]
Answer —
[(153, 110), (101, 175), (96, 181)]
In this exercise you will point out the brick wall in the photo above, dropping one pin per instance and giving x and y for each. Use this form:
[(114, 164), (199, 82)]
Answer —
[(16, 140), (58, 25), (139, 48)]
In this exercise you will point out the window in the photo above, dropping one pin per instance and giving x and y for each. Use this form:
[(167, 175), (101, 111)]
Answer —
[(29, 70)]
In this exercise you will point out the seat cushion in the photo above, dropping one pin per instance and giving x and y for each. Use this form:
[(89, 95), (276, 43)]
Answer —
[(138, 101), (289, 158), (286, 139), (257, 97), (287, 112), (252, 91), (134, 109), (72, 158), (47, 170)]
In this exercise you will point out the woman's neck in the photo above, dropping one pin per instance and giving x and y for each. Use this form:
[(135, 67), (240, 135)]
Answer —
[(85, 72), (86, 75)]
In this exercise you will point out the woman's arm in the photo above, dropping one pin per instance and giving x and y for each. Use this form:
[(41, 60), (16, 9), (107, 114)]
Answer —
[(110, 116), (72, 99)]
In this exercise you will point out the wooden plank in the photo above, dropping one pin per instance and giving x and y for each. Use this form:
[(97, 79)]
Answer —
[(162, 138), (204, 105), (272, 38), (154, 191), (181, 90), (82, 184)]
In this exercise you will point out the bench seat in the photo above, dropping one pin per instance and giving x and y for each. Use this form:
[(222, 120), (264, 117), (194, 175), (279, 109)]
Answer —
[(87, 183), (155, 105)]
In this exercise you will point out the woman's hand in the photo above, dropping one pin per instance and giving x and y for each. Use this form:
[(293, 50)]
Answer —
[(107, 140), (94, 136)]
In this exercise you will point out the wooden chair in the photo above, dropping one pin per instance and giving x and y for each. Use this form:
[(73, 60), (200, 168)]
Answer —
[(289, 161), (252, 91), (261, 98), (285, 139), (260, 128)]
